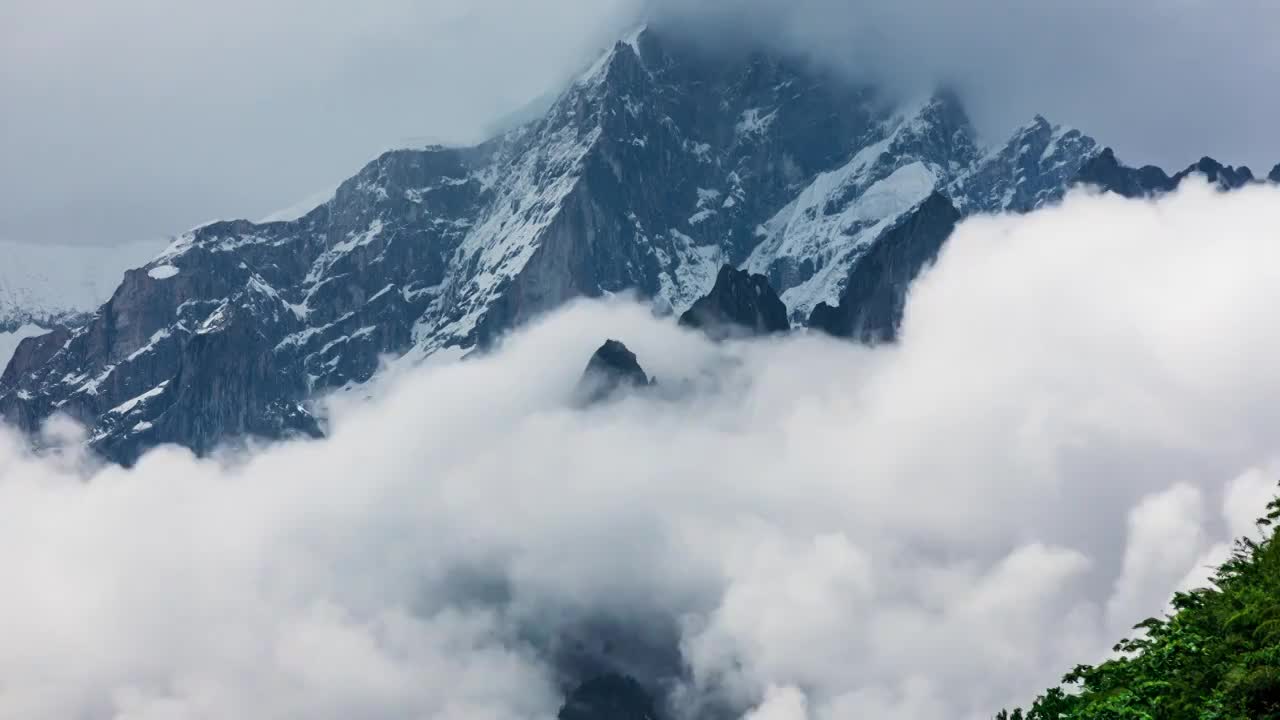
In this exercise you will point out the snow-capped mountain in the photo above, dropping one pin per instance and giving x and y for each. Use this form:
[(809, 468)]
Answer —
[(655, 168), (808, 248), (1038, 163)]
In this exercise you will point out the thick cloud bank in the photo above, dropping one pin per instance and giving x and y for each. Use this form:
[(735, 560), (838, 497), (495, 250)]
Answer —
[(1082, 410)]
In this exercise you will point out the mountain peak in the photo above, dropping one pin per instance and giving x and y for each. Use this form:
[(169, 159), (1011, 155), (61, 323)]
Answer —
[(1038, 126), (739, 303), (1225, 177), (611, 369), (633, 39), (1034, 167), (943, 115), (945, 102), (1108, 173), (627, 49)]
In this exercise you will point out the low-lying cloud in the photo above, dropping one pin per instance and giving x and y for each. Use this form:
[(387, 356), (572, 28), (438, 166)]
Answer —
[(1080, 415)]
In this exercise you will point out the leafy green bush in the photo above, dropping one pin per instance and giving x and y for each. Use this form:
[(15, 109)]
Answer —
[(1216, 657)]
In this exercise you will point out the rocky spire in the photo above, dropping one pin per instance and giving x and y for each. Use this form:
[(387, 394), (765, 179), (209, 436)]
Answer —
[(739, 304), (613, 368), (1225, 177)]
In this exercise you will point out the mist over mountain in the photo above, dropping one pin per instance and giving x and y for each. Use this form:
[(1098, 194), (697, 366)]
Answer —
[(937, 527)]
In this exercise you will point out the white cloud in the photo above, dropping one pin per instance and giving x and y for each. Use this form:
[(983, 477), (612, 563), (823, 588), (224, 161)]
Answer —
[(935, 529), (1165, 539), (781, 704)]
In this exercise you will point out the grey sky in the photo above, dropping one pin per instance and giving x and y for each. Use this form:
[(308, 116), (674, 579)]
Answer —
[(143, 117), (139, 118)]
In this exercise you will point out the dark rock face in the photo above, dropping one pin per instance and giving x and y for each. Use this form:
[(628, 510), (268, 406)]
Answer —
[(34, 352), (1225, 177), (611, 369), (870, 309), (1275, 175), (739, 304), (1106, 172), (609, 697)]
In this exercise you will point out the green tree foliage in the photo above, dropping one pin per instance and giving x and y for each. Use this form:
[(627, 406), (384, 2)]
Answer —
[(1216, 657)]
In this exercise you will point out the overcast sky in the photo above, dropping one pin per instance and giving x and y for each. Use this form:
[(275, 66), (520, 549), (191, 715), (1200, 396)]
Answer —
[(139, 118)]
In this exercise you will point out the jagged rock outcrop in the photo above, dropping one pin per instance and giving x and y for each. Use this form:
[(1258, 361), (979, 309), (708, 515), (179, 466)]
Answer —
[(609, 697), (871, 306), (1274, 176), (1224, 177), (739, 304), (612, 368), (1107, 173), (658, 166), (1036, 166)]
